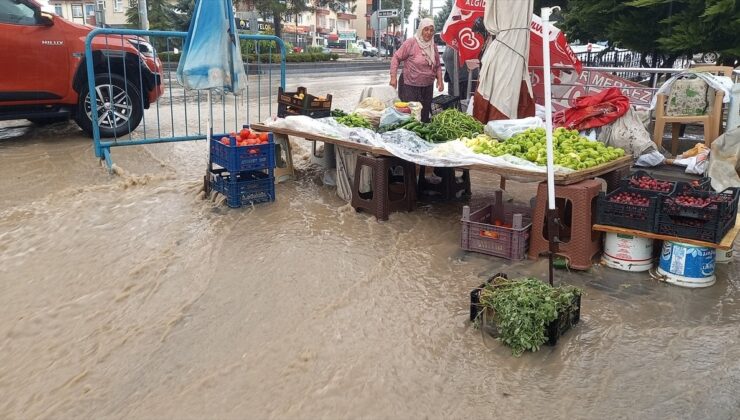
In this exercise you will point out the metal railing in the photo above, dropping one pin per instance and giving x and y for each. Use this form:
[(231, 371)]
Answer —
[(139, 101)]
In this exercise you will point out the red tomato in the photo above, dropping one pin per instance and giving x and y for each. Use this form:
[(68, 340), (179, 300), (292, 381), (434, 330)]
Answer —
[(245, 132), (252, 136), (224, 140), (264, 137)]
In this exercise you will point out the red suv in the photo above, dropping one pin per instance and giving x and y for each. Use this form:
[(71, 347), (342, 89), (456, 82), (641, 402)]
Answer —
[(43, 75)]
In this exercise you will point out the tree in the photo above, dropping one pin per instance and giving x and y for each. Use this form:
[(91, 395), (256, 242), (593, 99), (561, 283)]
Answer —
[(396, 4), (277, 9), (159, 14), (441, 17)]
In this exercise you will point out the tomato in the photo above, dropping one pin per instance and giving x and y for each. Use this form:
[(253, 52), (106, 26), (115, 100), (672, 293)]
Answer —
[(252, 136), (245, 132), (224, 140), (264, 137)]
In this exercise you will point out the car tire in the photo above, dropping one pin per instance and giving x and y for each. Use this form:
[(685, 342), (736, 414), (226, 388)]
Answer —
[(364, 53), (127, 100), (709, 58)]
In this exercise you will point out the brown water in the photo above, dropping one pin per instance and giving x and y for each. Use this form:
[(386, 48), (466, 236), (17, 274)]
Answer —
[(129, 296)]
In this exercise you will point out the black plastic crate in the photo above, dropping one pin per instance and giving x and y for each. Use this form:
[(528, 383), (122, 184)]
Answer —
[(627, 215), (625, 182), (288, 110), (554, 330), (242, 188), (722, 207), (690, 228), (443, 102)]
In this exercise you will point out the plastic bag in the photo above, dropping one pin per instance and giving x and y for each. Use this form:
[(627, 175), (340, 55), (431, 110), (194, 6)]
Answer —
[(392, 116), (385, 93), (627, 133), (415, 108), (504, 129), (371, 108), (724, 161)]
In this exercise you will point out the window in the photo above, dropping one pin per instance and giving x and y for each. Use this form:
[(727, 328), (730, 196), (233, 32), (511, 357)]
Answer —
[(89, 10), (16, 13), (101, 5), (299, 19), (288, 17), (59, 10), (322, 21), (118, 5), (332, 23), (76, 10)]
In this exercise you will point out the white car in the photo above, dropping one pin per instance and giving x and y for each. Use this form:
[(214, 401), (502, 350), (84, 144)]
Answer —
[(367, 49), (707, 57)]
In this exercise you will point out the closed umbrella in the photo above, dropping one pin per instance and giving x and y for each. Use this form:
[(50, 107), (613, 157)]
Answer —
[(505, 91), (211, 57)]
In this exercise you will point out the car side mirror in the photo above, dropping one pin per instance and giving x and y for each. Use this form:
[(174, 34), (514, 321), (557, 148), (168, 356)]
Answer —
[(46, 19)]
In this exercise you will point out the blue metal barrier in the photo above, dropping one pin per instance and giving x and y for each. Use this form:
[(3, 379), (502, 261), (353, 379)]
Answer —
[(126, 84)]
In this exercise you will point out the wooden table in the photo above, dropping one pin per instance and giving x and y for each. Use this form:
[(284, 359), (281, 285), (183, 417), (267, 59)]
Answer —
[(725, 244), (617, 167)]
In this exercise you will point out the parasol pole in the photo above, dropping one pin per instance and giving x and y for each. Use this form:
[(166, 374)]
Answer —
[(552, 221)]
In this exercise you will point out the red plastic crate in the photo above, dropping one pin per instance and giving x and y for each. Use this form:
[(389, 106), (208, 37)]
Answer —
[(480, 233)]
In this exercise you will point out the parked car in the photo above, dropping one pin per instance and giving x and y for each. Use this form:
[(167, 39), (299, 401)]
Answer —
[(441, 45), (707, 57), (367, 49), (45, 75)]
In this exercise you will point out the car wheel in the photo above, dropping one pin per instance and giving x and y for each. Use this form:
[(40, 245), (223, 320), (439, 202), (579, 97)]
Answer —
[(710, 57), (364, 53), (119, 106)]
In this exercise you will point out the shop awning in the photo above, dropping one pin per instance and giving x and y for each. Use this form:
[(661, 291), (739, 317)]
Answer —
[(332, 37)]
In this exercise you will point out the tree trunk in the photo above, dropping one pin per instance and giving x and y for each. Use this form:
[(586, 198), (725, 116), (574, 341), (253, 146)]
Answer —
[(276, 23)]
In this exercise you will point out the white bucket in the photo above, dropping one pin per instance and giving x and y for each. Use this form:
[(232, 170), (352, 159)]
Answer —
[(627, 252), (723, 256), (687, 265)]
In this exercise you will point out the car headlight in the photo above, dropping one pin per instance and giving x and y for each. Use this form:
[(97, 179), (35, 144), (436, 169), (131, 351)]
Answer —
[(146, 49)]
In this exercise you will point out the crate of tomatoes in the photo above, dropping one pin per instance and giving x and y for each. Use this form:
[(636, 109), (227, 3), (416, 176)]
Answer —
[(695, 214), (246, 150), (645, 183), (629, 208)]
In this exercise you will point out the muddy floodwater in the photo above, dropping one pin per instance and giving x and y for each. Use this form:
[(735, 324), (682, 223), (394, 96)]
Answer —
[(130, 296)]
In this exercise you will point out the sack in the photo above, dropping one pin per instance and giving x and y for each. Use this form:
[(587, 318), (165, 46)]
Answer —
[(628, 133), (392, 116), (689, 97), (593, 111), (371, 108), (505, 129)]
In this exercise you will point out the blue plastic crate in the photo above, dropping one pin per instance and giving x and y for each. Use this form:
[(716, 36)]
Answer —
[(235, 158), (241, 188)]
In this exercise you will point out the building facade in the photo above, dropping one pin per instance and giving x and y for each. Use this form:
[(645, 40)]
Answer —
[(95, 13)]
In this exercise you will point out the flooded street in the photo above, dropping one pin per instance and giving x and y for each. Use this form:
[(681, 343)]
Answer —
[(130, 296)]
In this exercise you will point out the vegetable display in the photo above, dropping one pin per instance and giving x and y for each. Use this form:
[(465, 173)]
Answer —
[(523, 308), (448, 125), (336, 112), (570, 149), (354, 120)]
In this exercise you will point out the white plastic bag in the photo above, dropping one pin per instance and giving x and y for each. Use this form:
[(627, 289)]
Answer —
[(504, 129), (392, 116)]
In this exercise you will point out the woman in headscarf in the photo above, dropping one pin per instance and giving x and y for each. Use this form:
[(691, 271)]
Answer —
[(420, 70)]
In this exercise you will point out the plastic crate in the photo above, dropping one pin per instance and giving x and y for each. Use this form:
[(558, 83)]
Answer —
[(625, 183), (235, 158), (241, 188), (443, 102), (308, 102), (628, 216), (703, 184), (689, 228), (553, 331), (720, 211), (288, 110), (481, 234)]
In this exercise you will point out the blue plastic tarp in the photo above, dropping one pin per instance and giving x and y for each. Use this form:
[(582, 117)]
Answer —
[(211, 57)]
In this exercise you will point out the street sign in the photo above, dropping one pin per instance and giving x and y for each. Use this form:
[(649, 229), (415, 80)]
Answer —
[(347, 35), (374, 21), (387, 13)]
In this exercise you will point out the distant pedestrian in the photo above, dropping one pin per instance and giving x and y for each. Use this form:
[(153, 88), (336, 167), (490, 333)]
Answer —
[(420, 70)]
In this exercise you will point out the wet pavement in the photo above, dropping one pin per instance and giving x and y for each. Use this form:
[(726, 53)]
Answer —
[(128, 295)]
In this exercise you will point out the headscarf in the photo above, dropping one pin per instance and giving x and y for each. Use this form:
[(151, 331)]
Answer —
[(427, 48)]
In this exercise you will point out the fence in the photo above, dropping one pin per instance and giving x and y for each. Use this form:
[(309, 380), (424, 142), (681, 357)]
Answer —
[(139, 101)]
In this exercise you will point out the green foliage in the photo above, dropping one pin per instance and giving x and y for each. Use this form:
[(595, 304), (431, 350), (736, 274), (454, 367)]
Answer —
[(523, 308), (159, 13), (667, 27), (396, 4), (441, 17)]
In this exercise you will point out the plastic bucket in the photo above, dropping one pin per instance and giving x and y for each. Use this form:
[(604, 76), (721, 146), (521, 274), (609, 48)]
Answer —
[(627, 252), (724, 256), (687, 265)]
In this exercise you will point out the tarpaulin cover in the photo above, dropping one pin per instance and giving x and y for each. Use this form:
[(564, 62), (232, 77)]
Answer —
[(211, 57), (593, 111)]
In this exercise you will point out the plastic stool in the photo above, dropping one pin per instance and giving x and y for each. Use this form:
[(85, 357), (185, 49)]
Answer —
[(283, 158), (576, 206), (450, 185), (390, 192)]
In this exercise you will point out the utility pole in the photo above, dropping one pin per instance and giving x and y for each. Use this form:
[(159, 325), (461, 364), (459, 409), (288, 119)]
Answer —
[(377, 42), (403, 18), (143, 16)]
